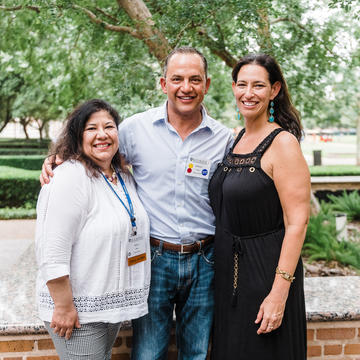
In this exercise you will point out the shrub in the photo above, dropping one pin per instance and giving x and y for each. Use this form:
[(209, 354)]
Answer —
[(24, 146), (17, 213), (28, 162), (18, 187), (320, 233), (334, 170), (24, 143), (23, 151), (349, 203), (321, 243)]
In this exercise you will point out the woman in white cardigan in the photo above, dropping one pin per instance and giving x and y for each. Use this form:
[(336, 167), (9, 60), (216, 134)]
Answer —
[(92, 239)]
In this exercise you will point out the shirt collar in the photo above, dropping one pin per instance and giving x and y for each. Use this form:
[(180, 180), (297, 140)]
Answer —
[(161, 116)]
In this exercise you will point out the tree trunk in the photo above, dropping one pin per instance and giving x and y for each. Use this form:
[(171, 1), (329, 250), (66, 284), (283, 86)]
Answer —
[(3, 125), (40, 133), (153, 38), (40, 126), (358, 134), (8, 115), (47, 130), (24, 123)]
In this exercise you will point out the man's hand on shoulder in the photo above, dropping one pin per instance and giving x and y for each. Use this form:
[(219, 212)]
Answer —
[(47, 168)]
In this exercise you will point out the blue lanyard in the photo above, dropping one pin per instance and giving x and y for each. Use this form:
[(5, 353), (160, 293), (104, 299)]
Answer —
[(130, 209)]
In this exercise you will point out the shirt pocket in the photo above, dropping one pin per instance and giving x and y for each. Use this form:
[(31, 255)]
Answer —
[(200, 186)]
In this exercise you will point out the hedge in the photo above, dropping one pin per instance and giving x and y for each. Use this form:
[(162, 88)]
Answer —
[(335, 170), (17, 213), (18, 187), (23, 151), (28, 162), (24, 143)]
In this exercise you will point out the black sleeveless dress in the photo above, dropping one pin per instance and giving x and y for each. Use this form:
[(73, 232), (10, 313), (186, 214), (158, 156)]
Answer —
[(248, 239)]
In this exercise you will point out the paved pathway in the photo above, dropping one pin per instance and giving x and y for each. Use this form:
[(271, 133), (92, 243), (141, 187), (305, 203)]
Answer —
[(16, 236), (17, 272)]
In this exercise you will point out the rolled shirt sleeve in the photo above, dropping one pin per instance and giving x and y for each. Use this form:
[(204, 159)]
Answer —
[(61, 209)]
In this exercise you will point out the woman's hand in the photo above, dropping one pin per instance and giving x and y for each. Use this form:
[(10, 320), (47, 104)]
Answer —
[(271, 311), (47, 168), (64, 319), (65, 316)]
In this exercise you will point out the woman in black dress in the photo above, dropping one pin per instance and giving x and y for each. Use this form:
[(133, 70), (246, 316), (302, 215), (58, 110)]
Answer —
[(260, 195)]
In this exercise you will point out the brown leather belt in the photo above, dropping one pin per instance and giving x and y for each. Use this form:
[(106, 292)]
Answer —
[(182, 248)]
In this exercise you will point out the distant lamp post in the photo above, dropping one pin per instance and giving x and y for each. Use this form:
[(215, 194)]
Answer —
[(317, 157)]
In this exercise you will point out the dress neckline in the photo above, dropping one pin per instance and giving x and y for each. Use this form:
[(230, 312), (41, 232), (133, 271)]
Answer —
[(272, 134)]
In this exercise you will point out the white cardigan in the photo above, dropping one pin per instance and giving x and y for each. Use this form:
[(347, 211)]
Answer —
[(82, 230)]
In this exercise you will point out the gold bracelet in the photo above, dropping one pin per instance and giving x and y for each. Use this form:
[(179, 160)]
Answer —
[(285, 275)]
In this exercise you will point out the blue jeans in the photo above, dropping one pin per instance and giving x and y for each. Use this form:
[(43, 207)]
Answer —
[(186, 281)]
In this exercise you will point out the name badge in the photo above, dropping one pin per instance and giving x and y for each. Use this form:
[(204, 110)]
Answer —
[(198, 168), (136, 249)]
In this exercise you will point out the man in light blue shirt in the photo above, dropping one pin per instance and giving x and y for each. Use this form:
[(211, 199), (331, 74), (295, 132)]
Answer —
[(174, 150), (177, 203)]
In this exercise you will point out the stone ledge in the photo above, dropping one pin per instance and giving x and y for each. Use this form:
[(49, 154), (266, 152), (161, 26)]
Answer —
[(335, 179), (327, 299), (37, 328), (332, 298), (334, 183)]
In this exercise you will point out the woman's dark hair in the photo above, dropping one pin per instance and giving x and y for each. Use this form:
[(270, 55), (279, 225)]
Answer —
[(285, 113), (69, 144)]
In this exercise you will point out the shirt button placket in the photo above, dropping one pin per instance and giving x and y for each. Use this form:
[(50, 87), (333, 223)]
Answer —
[(180, 179)]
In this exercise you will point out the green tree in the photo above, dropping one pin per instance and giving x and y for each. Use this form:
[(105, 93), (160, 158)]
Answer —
[(114, 48), (10, 85)]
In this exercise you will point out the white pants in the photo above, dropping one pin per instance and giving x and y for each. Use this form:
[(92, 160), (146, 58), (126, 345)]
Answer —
[(92, 341)]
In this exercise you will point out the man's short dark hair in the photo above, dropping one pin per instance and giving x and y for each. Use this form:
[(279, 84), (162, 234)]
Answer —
[(185, 50)]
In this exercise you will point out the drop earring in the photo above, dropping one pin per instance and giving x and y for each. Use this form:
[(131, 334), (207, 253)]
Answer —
[(271, 118), (238, 115)]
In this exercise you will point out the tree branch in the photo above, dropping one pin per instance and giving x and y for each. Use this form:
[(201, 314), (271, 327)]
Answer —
[(20, 7), (109, 16), (264, 30), (218, 48), (134, 33), (74, 46), (222, 39), (188, 25), (125, 29), (302, 27), (154, 39)]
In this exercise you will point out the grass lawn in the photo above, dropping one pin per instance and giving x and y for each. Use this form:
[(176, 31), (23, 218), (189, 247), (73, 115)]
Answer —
[(340, 151), (8, 172), (340, 146), (28, 162)]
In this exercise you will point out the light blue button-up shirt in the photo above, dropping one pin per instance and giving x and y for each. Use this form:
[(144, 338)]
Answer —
[(177, 204)]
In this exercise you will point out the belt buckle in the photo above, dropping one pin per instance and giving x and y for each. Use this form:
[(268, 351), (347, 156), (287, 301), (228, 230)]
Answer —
[(182, 251)]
